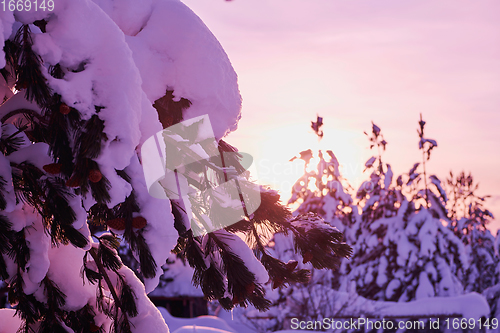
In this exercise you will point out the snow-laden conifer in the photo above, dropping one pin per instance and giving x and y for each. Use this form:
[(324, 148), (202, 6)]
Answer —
[(85, 85)]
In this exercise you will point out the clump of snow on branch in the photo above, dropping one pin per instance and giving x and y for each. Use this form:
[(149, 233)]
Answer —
[(173, 49)]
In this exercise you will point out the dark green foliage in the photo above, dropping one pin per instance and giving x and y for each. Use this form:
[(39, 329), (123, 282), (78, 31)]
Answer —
[(258, 298), (58, 213), (27, 64), (3, 269), (146, 260), (107, 255), (50, 198), (99, 214), (126, 210), (50, 324), (190, 249), (10, 143), (73, 236), (82, 321), (135, 239), (27, 307), (103, 304), (19, 250), (127, 299), (321, 241), (59, 133), (92, 275), (89, 139), (238, 275), (3, 202), (109, 258), (25, 178), (100, 190), (5, 234), (179, 216), (212, 283), (121, 326), (56, 298), (80, 178), (5, 73), (281, 274)]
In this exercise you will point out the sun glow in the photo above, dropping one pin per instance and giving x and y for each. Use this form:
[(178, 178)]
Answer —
[(273, 152)]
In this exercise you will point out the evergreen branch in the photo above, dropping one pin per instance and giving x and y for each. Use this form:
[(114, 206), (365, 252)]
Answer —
[(22, 129), (21, 111), (95, 255), (136, 240), (27, 65)]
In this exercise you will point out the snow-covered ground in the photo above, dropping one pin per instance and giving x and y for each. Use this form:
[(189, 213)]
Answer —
[(9, 323), (470, 306), (208, 324)]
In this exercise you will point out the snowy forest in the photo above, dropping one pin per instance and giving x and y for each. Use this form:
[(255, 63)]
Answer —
[(122, 200)]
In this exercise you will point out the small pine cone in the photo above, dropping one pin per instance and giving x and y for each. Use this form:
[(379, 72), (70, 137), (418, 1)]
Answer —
[(139, 222), (291, 265), (52, 168), (307, 257), (95, 176), (73, 182), (117, 224), (64, 108)]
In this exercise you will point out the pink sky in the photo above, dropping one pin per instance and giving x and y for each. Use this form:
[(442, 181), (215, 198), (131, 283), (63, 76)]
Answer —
[(354, 61)]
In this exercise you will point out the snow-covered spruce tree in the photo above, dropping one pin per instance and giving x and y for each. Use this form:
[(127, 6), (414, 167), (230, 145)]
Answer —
[(403, 251), (79, 82), (492, 293), (469, 219), (322, 190), (376, 196)]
